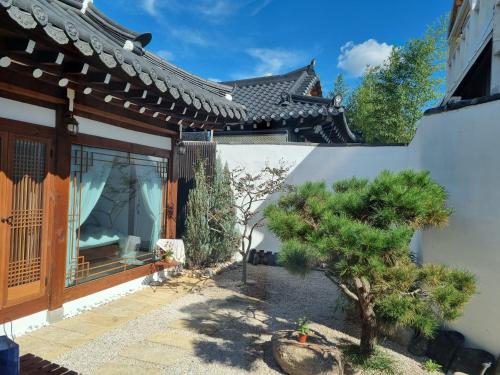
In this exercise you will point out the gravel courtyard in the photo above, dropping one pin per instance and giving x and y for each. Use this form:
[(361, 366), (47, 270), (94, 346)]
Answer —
[(209, 326)]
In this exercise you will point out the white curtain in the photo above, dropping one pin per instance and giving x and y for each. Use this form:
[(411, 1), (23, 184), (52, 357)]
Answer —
[(84, 194), (151, 192)]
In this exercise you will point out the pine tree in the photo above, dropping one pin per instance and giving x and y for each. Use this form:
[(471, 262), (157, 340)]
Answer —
[(362, 231), (223, 235), (340, 88), (197, 236)]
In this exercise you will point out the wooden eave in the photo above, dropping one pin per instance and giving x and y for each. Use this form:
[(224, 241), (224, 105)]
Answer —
[(59, 63)]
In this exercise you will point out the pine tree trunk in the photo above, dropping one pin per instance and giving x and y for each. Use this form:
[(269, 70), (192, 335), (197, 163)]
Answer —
[(368, 334), (368, 318)]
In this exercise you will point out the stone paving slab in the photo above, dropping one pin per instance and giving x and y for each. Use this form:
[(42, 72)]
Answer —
[(180, 339), (114, 368), (162, 355), (61, 336), (42, 348)]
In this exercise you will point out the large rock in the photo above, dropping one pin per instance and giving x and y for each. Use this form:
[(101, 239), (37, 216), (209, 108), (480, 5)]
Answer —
[(472, 361), (443, 347), (316, 357)]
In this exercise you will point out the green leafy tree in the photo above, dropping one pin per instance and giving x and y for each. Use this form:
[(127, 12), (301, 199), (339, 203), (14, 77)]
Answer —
[(340, 88), (392, 98), (197, 236), (362, 231), (223, 234)]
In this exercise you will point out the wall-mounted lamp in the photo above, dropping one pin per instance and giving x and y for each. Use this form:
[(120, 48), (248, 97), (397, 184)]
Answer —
[(70, 121), (181, 147), (71, 124)]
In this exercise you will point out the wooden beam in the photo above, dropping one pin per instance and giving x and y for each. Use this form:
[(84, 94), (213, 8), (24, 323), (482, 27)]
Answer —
[(23, 45), (4, 86), (49, 57), (79, 68), (137, 94), (123, 120), (119, 86), (100, 78)]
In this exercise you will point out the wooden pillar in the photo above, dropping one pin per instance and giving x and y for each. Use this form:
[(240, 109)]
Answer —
[(172, 193), (61, 206)]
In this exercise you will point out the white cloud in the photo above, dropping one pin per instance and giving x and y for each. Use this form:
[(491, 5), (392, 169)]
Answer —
[(273, 61), (215, 8), (166, 55), (354, 58), (190, 36), (260, 6), (150, 6)]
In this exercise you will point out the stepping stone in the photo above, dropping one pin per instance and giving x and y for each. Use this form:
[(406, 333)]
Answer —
[(121, 369), (60, 336), (205, 328), (158, 354), (41, 348), (177, 340)]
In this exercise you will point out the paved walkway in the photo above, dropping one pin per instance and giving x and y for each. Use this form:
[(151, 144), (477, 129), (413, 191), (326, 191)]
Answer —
[(193, 326)]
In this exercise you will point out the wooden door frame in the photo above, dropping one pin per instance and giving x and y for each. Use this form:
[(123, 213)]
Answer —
[(46, 228), (3, 211)]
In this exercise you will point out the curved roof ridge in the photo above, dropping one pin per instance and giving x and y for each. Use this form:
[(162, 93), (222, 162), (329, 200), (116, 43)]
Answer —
[(297, 73), (214, 87)]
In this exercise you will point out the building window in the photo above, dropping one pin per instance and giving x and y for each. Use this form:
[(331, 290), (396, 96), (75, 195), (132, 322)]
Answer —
[(477, 82), (115, 211)]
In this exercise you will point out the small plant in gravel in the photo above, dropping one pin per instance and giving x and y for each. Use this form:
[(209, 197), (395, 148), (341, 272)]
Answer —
[(303, 329), (431, 366), (378, 363), (362, 230)]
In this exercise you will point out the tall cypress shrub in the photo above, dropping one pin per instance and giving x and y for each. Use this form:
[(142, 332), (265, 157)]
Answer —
[(223, 235), (197, 236)]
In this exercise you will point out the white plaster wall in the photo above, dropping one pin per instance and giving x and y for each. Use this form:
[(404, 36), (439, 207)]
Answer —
[(29, 113), (461, 149), (101, 129), (312, 163)]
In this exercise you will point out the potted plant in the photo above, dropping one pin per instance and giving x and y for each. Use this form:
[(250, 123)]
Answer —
[(168, 256), (303, 330)]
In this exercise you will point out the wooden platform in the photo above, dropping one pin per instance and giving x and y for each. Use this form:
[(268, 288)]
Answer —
[(33, 365)]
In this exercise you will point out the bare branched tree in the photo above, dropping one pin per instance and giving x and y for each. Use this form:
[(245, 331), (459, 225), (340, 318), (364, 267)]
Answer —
[(250, 191)]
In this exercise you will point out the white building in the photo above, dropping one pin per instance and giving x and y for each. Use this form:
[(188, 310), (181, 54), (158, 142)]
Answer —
[(474, 55)]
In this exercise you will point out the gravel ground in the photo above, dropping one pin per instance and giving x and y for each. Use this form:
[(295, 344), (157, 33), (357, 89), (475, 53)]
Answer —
[(229, 329)]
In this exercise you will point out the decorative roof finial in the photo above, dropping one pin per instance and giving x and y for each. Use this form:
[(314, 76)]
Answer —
[(85, 5)]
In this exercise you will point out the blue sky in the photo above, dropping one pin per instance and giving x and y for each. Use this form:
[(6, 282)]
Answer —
[(233, 39)]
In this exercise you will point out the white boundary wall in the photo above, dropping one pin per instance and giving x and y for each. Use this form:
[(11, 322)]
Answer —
[(461, 149), (313, 163)]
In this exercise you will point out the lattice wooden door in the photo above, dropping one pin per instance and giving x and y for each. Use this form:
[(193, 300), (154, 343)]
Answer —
[(24, 218)]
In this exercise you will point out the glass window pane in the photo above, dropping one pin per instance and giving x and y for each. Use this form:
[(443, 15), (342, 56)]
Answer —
[(115, 212)]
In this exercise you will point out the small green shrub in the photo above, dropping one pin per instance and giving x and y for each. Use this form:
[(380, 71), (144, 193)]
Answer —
[(379, 362), (431, 366), (303, 326)]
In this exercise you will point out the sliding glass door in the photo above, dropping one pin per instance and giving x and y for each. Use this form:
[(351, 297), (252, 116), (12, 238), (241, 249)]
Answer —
[(116, 211)]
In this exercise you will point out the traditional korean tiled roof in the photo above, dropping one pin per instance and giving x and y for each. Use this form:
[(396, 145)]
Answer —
[(79, 25), (280, 96), (294, 97)]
